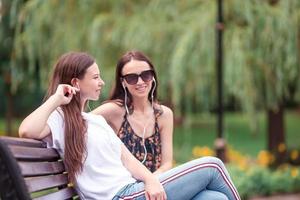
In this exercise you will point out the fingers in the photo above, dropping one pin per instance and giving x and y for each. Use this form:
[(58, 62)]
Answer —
[(158, 196), (154, 190), (69, 90), (147, 195), (65, 93), (66, 90)]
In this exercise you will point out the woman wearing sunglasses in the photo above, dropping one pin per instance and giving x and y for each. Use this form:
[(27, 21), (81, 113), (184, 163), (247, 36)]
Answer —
[(146, 129), (144, 125)]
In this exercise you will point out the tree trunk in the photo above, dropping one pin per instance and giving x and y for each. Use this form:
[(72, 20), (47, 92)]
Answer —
[(276, 135)]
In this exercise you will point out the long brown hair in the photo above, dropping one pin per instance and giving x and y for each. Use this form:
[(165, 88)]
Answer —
[(72, 65), (118, 92)]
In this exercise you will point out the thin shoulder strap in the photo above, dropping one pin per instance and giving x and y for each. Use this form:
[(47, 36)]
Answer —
[(158, 111)]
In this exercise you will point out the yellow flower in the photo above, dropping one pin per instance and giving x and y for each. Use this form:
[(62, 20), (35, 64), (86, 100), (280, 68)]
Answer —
[(237, 158), (281, 147), (294, 172), (243, 164), (202, 151), (207, 151), (265, 158), (196, 151), (294, 154)]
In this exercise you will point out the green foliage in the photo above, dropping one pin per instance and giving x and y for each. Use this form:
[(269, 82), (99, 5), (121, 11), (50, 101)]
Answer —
[(280, 183), (259, 181), (260, 41), (256, 181), (265, 39)]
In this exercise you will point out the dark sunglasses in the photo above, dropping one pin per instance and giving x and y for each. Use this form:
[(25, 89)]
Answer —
[(132, 79)]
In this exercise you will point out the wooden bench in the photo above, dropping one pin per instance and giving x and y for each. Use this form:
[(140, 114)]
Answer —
[(30, 170)]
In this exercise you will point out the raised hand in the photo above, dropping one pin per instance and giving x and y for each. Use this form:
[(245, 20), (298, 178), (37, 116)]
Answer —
[(65, 93)]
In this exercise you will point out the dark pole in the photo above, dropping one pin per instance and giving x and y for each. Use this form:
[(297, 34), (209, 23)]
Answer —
[(220, 142)]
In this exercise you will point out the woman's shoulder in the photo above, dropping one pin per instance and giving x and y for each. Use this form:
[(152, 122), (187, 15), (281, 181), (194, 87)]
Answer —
[(167, 109), (163, 111)]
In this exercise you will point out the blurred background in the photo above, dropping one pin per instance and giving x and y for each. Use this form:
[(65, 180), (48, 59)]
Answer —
[(247, 49)]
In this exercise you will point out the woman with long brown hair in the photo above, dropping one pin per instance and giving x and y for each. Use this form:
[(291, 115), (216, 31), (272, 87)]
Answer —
[(143, 124), (98, 163)]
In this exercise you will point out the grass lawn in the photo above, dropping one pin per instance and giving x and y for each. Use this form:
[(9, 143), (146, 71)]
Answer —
[(202, 132)]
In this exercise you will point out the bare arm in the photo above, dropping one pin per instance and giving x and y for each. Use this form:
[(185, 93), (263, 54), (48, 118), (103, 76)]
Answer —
[(112, 113), (166, 134), (35, 125), (153, 188)]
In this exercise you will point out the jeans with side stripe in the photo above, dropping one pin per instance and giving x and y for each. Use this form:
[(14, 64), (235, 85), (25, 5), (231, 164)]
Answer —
[(201, 179)]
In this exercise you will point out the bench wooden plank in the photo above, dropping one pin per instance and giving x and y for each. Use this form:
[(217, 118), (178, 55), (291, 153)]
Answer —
[(34, 154), (23, 142), (35, 184), (41, 168), (64, 193)]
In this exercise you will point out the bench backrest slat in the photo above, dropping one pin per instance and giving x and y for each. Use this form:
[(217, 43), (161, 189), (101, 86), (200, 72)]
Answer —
[(23, 142), (64, 193), (35, 184), (34, 154), (41, 168)]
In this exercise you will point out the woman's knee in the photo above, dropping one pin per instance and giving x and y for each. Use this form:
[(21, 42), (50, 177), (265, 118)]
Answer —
[(211, 162), (212, 159)]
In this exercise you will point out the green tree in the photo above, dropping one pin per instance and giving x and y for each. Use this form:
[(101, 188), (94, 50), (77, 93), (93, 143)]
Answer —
[(262, 68), (8, 21), (261, 48)]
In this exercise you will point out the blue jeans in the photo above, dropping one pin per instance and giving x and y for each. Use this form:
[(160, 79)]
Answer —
[(204, 178)]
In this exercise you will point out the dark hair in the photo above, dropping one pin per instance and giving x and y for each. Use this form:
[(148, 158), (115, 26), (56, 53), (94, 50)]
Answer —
[(118, 92), (72, 65)]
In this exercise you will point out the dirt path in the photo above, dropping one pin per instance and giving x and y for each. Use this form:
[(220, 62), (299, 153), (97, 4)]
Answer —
[(279, 197)]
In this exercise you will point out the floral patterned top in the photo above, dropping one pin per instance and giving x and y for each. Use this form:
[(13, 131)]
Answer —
[(135, 145)]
